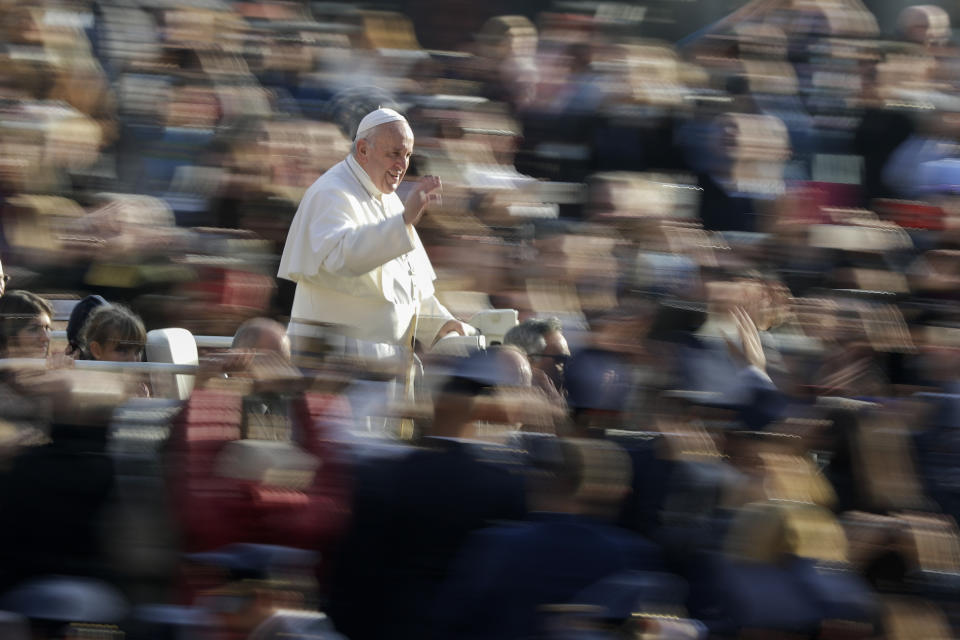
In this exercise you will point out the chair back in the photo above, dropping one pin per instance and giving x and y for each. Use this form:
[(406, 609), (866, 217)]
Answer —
[(175, 346)]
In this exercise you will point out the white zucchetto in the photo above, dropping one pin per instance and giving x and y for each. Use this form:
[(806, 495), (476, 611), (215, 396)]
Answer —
[(377, 118)]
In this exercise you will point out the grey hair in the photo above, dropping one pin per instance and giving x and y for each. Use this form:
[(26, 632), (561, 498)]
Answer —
[(531, 335), (366, 136)]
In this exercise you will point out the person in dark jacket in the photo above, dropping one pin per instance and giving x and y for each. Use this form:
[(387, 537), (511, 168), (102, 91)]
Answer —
[(55, 497), (412, 514), (506, 574)]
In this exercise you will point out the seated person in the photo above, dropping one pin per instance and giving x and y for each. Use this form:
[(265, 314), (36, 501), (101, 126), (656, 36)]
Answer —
[(26, 393), (545, 345), (113, 333), (262, 334), (24, 325), (260, 351)]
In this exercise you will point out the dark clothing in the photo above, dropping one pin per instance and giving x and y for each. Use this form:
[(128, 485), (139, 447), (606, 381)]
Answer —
[(411, 517), (880, 132), (704, 364), (506, 573), (723, 211), (792, 596), (938, 449), (51, 505)]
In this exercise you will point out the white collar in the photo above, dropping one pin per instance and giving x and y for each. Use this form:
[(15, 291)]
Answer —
[(363, 177)]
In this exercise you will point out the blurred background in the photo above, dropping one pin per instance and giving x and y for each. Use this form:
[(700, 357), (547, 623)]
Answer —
[(712, 248)]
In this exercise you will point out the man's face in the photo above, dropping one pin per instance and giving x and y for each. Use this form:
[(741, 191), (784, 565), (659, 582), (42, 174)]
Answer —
[(554, 356), (385, 155)]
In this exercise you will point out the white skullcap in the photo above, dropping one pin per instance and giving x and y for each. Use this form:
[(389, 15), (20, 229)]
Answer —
[(377, 118)]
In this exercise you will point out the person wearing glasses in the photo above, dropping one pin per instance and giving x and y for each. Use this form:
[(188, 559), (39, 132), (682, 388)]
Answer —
[(113, 333), (546, 347)]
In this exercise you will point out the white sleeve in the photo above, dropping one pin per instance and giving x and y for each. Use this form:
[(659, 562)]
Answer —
[(345, 247)]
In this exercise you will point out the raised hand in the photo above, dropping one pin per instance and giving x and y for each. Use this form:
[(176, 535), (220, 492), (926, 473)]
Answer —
[(427, 191), (750, 350)]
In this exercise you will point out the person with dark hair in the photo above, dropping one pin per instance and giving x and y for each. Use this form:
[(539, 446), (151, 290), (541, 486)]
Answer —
[(78, 317), (24, 325), (113, 333), (27, 394)]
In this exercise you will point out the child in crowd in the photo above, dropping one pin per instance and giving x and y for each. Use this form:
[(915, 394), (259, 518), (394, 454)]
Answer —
[(114, 333)]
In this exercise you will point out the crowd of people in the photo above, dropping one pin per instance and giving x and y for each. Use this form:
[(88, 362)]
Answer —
[(689, 367)]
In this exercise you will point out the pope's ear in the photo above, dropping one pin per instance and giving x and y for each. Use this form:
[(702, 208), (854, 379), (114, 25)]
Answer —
[(362, 148)]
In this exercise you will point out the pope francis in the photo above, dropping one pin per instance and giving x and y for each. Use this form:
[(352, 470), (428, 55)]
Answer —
[(364, 281)]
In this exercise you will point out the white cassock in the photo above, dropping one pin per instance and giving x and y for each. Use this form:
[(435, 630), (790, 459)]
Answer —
[(358, 267)]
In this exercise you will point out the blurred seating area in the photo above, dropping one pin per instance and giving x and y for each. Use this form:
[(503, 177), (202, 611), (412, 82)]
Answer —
[(714, 391)]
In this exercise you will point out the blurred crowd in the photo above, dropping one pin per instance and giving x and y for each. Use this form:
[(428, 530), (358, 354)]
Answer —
[(716, 390)]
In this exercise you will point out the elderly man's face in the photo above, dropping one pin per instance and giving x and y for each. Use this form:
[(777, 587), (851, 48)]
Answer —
[(385, 156), (553, 357)]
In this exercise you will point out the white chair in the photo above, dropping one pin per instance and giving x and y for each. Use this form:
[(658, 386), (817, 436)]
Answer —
[(175, 346)]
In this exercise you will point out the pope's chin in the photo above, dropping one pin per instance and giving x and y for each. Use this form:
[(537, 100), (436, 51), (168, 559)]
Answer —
[(390, 184)]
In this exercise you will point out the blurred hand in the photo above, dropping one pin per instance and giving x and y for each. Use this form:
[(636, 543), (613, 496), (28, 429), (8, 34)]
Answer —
[(220, 363), (60, 361), (426, 191), (453, 326), (750, 350)]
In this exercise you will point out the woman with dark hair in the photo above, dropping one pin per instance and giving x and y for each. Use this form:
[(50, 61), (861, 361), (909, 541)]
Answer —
[(27, 395), (24, 325)]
